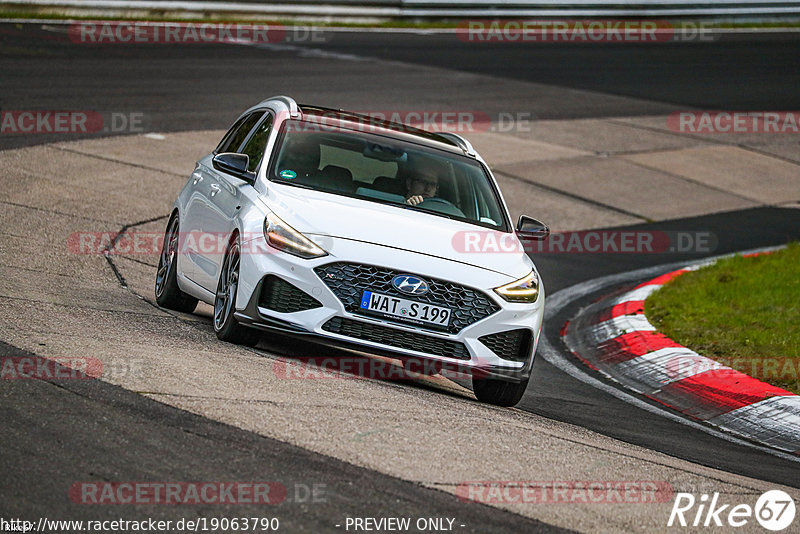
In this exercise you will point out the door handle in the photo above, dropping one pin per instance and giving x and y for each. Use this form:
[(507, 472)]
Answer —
[(214, 189), (197, 178)]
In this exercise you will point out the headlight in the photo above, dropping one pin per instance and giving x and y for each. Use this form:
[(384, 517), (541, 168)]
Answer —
[(285, 238), (523, 290)]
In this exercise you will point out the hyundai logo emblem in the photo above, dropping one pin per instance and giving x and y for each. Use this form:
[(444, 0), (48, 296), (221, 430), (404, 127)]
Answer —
[(410, 284)]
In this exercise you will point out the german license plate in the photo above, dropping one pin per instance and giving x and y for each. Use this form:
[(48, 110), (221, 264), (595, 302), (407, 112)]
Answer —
[(408, 310)]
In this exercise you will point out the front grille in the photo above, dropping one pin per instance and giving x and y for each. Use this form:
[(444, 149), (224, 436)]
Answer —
[(511, 345), (397, 338), (348, 281), (279, 295)]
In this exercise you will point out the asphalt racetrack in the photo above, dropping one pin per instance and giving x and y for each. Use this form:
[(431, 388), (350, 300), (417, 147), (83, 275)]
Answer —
[(54, 435)]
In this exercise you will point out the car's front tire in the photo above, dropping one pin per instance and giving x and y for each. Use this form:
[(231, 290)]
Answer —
[(498, 392), (168, 294), (226, 326)]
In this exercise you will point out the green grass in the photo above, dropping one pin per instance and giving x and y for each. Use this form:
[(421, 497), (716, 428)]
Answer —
[(742, 312)]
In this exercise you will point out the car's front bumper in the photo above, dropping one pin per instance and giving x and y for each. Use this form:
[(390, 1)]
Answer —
[(331, 323)]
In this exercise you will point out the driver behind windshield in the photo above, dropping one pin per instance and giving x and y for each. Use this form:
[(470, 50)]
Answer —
[(422, 185)]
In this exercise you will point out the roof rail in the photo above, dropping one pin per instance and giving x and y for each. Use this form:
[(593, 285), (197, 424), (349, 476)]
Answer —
[(461, 142), (294, 111)]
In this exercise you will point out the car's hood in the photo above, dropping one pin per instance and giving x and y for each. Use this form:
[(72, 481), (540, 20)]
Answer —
[(321, 214)]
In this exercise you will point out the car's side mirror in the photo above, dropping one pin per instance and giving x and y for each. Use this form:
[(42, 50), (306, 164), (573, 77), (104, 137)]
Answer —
[(530, 228), (235, 164)]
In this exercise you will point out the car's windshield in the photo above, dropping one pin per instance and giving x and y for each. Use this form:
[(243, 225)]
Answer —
[(387, 170)]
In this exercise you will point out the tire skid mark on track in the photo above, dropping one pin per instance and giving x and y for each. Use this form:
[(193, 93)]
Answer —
[(572, 196), (113, 160), (113, 243), (52, 212)]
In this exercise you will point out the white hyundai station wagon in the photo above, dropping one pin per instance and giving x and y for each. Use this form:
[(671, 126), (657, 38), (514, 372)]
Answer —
[(359, 233)]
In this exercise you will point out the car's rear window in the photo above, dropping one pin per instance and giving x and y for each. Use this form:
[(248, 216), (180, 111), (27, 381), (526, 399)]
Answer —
[(387, 170)]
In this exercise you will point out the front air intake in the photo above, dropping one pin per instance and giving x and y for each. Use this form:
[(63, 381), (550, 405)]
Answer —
[(279, 295)]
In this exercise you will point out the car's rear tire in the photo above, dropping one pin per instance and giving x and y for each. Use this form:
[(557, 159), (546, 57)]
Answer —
[(168, 294), (226, 326), (498, 392)]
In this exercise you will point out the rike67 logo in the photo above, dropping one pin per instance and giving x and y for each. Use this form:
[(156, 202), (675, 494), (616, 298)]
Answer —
[(774, 510)]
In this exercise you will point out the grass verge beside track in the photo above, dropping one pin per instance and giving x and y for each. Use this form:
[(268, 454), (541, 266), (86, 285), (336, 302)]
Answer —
[(743, 312)]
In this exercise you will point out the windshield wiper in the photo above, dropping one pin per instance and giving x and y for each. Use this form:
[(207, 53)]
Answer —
[(295, 184), (422, 210)]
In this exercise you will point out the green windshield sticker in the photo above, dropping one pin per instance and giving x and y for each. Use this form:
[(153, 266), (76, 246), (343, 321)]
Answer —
[(287, 174)]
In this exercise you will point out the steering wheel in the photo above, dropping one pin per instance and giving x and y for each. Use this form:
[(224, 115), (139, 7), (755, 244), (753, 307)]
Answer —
[(441, 205)]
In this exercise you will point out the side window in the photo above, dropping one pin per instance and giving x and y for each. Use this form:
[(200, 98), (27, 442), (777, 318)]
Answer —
[(238, 132), (258, 143), (227, 138)]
